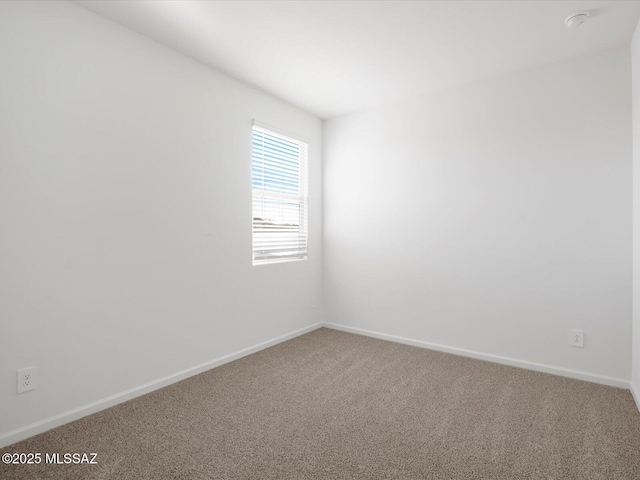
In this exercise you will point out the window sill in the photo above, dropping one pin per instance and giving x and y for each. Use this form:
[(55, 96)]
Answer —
[(269, 261)]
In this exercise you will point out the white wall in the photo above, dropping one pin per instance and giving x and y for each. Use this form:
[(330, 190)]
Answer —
[(635, 87), (125, 213), (492, 217)]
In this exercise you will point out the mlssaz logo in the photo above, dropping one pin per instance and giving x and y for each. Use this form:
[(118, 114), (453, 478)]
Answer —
[(71, 458)]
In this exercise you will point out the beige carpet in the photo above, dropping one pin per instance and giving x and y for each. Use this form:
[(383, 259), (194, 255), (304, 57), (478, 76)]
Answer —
[(332, 405)]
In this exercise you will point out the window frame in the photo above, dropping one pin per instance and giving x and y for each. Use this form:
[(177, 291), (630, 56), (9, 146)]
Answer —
[(302, 199)]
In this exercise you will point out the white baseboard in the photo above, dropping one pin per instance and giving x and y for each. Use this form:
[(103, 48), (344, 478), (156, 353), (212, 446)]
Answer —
[(538, 367), (635, 394), (71, 415)]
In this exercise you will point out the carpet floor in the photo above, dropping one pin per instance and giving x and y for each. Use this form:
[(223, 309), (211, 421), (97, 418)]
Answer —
[(333, 405)]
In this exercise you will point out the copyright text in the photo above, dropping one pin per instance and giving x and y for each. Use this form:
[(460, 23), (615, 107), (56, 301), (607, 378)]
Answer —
[(50, 458)]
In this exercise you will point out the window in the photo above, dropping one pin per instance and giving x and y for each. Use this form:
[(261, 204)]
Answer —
[(279, 183)]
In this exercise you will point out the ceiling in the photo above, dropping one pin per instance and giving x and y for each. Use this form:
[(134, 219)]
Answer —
[(337, 57)]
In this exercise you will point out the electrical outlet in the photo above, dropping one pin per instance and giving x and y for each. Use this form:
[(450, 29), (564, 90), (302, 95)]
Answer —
[(577, 338), (27, 379), (314, 301)]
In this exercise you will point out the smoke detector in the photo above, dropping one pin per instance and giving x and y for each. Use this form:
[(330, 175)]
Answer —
[(577, 19)]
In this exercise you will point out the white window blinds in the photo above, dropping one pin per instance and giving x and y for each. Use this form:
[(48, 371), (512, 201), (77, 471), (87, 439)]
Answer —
[(279, 183)]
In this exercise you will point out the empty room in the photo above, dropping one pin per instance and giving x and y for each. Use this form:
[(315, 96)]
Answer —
[(319, 240)]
